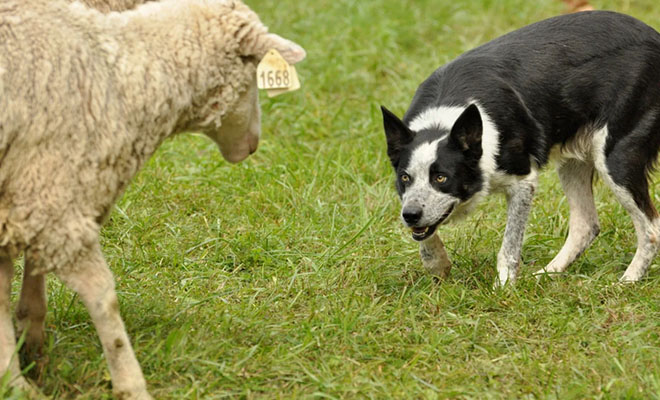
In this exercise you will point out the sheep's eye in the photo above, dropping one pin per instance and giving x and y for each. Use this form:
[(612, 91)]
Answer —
[(249, 59), (441, 179), (405, 178)]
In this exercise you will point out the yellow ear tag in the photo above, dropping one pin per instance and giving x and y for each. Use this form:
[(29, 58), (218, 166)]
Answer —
[(275, 75)]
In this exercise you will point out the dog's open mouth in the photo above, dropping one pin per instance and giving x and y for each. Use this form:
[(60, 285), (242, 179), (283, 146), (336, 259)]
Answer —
[(423, 233)]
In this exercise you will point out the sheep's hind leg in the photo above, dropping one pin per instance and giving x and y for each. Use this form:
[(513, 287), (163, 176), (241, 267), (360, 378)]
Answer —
[(8, 357), (30, 318), (92, 280)]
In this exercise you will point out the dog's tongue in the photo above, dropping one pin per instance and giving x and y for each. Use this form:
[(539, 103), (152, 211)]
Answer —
[(420, 230)]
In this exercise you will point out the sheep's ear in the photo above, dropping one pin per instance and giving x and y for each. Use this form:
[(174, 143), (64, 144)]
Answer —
[(259, 44), (292, 52)]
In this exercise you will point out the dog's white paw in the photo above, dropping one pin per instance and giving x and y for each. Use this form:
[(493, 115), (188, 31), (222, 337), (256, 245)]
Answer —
[(546, 272), (626, 279)]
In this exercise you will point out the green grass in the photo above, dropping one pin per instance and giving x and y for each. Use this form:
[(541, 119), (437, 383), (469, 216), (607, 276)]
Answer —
[(289, 275)]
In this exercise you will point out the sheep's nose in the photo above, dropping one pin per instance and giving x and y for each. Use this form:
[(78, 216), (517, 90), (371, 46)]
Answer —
[(412, 214), (253, 143)]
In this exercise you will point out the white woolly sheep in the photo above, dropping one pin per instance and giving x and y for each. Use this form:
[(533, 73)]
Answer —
[(85, 100), (112, 5), (107, 6)]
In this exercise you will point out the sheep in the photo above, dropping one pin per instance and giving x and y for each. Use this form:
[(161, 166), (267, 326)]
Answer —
[(85, 100), (106, 6)]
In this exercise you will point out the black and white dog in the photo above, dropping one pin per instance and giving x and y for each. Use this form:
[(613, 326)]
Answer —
[(581, 89)]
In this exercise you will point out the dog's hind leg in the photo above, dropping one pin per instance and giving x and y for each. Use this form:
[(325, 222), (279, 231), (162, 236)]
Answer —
[(576, 179), (647, 227), (519, 201), (626, 176)]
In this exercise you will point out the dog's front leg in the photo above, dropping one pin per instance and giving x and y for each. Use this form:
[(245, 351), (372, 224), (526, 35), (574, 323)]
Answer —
[(434, 257), (519, 201)]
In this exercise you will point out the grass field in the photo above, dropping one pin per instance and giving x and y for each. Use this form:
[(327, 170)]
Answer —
[(290, 276)]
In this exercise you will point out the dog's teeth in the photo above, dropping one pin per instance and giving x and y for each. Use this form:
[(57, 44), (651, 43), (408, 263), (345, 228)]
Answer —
[(420, 231)]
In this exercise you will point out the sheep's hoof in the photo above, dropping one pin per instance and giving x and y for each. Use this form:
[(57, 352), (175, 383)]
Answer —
[(24, 389), (33, 353), (141, 394)]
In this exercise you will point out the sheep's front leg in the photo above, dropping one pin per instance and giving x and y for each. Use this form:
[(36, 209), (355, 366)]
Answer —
[(31, 315), (519, 202), (92, 280), (8, 359), (434, 257)]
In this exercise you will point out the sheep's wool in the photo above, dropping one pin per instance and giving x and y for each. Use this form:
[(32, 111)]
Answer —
[(85, 100)]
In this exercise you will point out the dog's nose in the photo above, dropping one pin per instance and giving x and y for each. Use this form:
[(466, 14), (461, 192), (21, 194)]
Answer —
[(412, 215)]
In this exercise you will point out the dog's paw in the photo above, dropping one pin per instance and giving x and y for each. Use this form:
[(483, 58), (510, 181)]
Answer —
[(628, 280), (546, 273), (438, 269), (434, 257)]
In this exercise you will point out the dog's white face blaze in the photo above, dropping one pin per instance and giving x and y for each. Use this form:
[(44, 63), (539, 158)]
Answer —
[(436, 117), (445, 117), (420, 194)]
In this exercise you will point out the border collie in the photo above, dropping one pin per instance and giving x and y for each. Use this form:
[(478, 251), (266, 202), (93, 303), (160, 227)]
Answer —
[(580, 89)]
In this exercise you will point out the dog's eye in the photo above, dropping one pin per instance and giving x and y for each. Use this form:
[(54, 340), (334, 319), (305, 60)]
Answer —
[(405, 178), (441, 179)]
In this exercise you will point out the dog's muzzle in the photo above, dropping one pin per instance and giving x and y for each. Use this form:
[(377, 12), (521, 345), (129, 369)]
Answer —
[(422, 233)]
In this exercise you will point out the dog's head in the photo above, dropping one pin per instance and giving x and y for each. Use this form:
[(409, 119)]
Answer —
[(437, 170)]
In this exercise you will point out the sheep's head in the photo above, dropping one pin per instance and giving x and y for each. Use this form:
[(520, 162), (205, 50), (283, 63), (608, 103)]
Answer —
[(233, 120)]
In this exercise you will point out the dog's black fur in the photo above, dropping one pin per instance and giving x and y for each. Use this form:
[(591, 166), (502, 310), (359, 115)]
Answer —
[(542, 86), (543, 82)]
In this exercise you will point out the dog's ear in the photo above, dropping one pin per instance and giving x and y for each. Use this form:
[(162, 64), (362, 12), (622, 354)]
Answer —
[(467, 131), (397, 134)]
